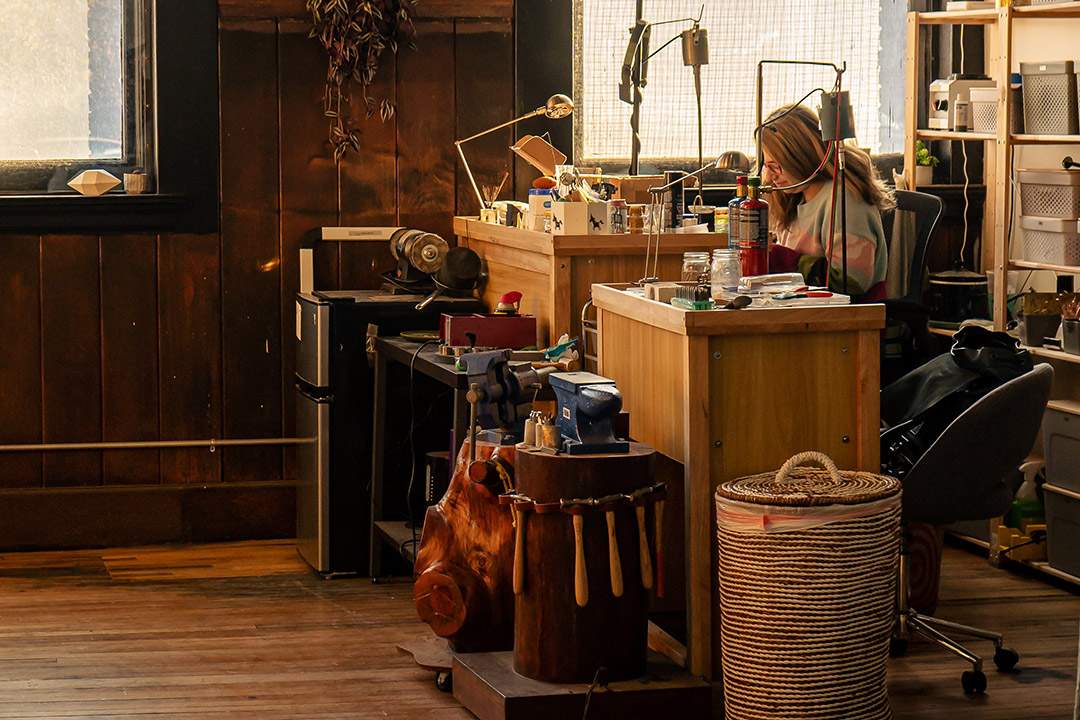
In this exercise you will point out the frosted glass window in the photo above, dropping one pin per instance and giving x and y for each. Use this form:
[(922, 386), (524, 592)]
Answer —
[(868, 35), (73, 90)]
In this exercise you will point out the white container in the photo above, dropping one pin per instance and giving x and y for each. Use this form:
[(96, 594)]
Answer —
[(1050, 240), (570, 218), (1061, 442), (984, 109), (540, 209), (1062, 528), (1049, 193)]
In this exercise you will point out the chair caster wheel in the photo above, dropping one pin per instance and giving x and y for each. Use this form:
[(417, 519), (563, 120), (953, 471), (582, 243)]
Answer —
[(1006, 658), (973, 682), (445, 681), (897, 647)]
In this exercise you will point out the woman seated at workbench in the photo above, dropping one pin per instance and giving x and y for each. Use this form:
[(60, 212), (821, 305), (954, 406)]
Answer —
[(792, 150)]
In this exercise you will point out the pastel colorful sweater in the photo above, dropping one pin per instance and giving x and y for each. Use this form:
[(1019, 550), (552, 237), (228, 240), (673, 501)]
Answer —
[(802, 247)]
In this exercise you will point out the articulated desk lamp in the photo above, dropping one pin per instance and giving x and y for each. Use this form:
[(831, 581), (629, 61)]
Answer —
[(655, 222), (837, 124), (557, 106)]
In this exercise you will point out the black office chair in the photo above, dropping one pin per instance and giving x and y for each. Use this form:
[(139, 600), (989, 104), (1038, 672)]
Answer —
[(907, 342), (966, 474)]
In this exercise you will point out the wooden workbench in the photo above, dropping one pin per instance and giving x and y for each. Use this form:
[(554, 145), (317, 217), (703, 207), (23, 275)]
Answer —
[(555, 272), (736, 392)]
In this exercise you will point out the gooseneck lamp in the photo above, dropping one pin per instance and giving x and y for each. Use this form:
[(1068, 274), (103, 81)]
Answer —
[(557, 106)]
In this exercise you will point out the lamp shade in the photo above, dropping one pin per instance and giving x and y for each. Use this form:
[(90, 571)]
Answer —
[(558, 106)]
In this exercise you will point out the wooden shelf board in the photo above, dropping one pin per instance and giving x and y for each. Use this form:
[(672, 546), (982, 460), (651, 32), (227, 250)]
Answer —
[(1052, 354), (953, 135), (1027, 264), (400, 535), (1059, 9), (960, 17), (1044, 567), (944, 332), (1028, 139), (1067, 406)]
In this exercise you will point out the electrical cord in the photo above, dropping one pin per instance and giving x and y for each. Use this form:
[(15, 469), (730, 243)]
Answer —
[(412, 444)]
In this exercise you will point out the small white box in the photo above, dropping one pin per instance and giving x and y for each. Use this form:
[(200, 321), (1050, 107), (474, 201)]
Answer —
[(570, 218)]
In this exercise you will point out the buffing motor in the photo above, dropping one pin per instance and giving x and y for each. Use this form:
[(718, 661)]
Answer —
[(419, 254)]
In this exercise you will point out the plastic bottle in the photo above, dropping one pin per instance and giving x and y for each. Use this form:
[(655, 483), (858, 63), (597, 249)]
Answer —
[(754, 231), (733, 211)]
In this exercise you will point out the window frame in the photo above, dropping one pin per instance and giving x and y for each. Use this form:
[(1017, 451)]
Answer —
[(185, 121)]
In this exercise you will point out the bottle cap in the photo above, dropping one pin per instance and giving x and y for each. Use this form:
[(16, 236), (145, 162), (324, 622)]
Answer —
[(740, 180), (754, 182)]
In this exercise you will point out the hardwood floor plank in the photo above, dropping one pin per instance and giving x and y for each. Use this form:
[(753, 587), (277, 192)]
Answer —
[(247, 630)]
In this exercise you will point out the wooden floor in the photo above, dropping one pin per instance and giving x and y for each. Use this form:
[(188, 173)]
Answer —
[(248, 631)]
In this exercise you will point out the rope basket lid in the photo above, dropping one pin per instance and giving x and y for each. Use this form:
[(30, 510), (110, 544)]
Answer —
[(798, 486)]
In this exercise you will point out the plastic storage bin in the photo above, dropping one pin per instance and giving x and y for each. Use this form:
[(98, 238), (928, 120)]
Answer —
[(1050, 240), (1062, 529), (1050, 106), (1061, 443), (1049, 193), (984, 109)]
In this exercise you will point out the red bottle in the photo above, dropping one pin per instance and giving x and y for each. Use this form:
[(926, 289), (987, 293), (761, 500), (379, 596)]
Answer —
[(754, 231)]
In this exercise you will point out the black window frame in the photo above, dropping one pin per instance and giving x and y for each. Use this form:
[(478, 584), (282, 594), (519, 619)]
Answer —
[(187, 144)]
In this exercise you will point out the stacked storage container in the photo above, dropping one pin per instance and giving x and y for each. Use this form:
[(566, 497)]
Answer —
[(1050, 199), (1061, 493)]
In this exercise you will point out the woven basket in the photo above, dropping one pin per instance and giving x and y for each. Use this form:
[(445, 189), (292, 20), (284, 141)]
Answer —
[(808, 563)]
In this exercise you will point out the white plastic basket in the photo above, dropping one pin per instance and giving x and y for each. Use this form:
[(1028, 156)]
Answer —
[(1049, 193), (1050, 105), (1050, 240), (984, 109)]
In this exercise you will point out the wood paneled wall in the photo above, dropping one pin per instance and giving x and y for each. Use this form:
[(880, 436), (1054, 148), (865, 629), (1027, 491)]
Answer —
[(191, 337)]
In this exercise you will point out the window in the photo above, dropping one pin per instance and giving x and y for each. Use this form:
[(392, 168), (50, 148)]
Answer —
[(868, 35), (116, 85), (77, 91)]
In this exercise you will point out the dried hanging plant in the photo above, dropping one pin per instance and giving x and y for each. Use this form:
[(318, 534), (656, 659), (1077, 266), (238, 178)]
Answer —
[(354, 34)]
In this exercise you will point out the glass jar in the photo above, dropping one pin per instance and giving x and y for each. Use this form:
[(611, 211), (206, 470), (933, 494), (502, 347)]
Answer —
[(725, 271), (694, 265)]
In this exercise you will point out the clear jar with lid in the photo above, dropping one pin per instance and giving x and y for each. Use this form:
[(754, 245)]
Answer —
[(725, 271), (695, 264)]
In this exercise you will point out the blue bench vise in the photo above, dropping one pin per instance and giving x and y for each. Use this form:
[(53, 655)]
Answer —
[(587, 404)]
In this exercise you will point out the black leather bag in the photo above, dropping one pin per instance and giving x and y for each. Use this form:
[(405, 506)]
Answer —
[(919, 406)]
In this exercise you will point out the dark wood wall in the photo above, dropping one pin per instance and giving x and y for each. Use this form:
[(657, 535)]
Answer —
[(190, 337)]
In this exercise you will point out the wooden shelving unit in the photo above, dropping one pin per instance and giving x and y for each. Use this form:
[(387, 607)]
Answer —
[(999, 158)]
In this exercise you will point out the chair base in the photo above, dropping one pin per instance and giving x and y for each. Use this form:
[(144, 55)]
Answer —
[(910, 622)]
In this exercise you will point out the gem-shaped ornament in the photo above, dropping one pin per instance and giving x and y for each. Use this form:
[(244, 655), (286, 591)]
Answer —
[(93, 182)]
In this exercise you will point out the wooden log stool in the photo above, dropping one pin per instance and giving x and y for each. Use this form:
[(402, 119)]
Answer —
[(582, 544)]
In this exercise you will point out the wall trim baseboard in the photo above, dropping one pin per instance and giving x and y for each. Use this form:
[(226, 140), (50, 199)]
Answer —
[(127, 515)]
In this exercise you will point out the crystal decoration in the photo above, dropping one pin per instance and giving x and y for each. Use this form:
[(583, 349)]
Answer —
[(93, 182)]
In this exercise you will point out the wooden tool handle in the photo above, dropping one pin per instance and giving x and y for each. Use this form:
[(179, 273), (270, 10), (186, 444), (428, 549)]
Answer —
[(581, 581), (643, 549), (658, 516), (613, 555), (519, 555)]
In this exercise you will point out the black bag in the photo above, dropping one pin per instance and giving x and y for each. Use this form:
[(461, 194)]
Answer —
[(918, 407)]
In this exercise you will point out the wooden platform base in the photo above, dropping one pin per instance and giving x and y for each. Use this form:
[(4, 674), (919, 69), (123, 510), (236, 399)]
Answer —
[(487, 685)]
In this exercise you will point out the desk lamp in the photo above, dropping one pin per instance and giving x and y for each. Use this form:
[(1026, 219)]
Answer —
[(654, 213), (557, 106), (837, 125)]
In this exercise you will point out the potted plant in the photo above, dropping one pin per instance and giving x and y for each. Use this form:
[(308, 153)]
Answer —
[(1070, 326), (925, 163), (354, 34)]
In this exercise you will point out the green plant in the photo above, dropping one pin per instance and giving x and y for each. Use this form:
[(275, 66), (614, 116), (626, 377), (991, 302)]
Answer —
[(923, 156), (354, 34)]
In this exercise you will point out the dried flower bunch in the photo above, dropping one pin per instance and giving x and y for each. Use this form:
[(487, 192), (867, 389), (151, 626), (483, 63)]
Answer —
[(354, 34), (1070, 310)]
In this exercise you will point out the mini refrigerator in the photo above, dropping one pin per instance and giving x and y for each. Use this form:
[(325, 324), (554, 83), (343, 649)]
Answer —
[(334, 405)]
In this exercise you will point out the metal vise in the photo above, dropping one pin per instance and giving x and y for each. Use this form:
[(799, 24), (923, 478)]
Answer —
[(587, 404), (501, 394)]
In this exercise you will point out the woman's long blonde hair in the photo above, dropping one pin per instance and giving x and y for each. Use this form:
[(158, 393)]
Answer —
[(794, 141)]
